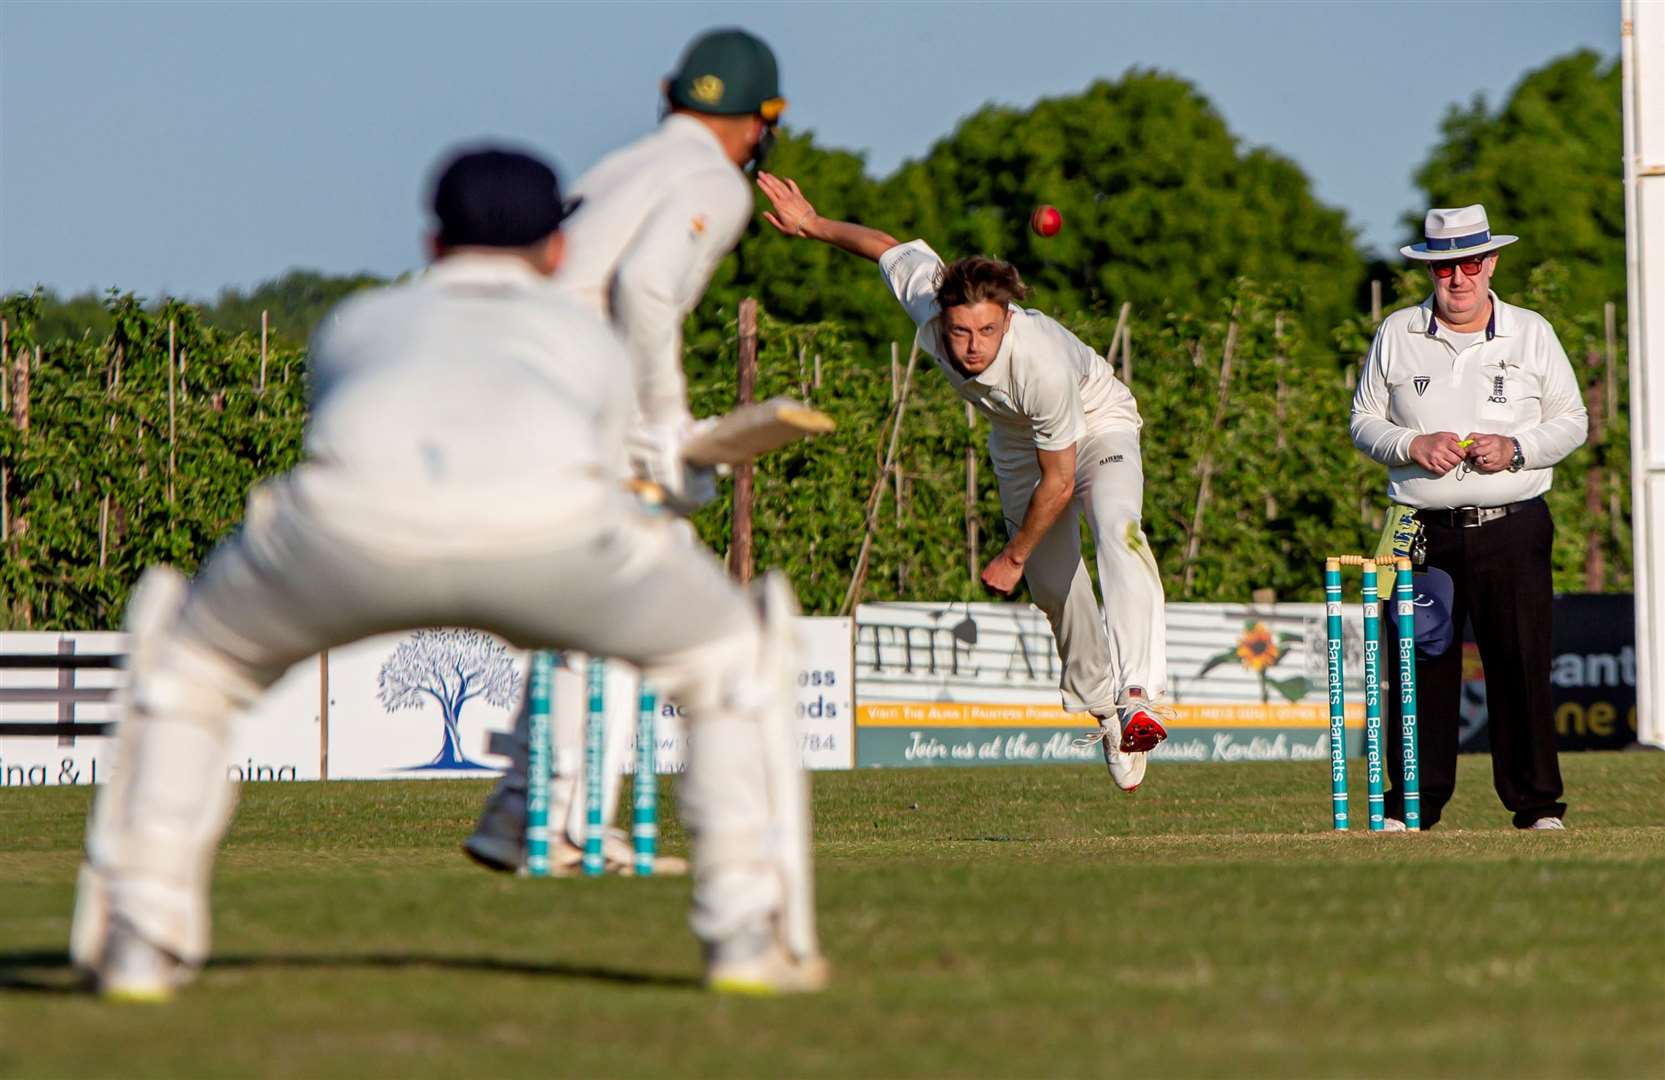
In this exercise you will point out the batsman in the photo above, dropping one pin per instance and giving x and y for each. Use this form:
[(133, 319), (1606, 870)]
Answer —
[(1064, 438), (657, 217), (474, 392)]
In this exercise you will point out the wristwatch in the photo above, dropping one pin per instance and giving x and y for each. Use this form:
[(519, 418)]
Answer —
[(1518, 462)]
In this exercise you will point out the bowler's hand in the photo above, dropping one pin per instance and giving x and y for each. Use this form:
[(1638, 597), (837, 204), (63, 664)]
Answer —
[(792, 210), (1002, 574), (1490, 453), (1437, 452)]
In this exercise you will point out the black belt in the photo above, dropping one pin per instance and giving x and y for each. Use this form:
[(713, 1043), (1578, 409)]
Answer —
[(1472, 517)]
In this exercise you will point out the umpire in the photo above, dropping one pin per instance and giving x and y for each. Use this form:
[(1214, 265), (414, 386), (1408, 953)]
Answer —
[(1470, 403)]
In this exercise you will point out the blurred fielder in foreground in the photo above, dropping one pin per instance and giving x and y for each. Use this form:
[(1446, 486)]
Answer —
[(657, 216), (475, 392), (1065, 442)]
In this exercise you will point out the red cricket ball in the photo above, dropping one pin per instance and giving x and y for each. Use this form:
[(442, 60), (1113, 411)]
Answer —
[(1046, 221)]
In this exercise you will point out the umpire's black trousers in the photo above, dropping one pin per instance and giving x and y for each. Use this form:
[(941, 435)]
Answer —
[(1500, 573)]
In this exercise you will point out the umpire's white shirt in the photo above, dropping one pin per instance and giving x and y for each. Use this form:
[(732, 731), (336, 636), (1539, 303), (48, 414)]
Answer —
[(1045, 388), (476, 393), (658, 215), (1514, 379)]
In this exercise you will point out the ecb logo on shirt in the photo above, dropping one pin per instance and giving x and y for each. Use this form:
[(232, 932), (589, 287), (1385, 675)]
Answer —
[(1421, 384), (1498, 396)]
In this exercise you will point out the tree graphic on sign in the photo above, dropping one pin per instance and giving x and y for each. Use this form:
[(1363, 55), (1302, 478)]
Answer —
[(451, 668)]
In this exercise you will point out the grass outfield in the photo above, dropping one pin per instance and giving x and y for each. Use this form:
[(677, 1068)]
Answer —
[(1017, 921)]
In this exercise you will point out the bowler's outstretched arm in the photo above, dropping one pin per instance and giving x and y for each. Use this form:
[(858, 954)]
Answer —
[(794, 216)]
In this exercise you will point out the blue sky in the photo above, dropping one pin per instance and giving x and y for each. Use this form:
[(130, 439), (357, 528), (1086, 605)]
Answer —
[(184, 147)]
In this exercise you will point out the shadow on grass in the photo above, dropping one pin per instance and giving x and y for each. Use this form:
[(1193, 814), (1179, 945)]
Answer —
[(48, 971)]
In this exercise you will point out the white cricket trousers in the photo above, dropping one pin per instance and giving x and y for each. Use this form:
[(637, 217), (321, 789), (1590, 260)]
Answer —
[(1101, 655), (306, 573)]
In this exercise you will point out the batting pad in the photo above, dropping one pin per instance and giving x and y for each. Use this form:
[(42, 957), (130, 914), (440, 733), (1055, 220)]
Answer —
[(740, 436)]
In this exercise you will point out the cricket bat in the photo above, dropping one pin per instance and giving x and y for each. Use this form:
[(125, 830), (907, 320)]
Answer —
[(747, 433)]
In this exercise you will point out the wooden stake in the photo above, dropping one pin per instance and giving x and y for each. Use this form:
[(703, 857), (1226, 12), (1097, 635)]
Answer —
[(172, 430), (1193, 544), (264, 322), (895, 375), (324, 715), (20, 396), (1127, 354), (1375, 301), (103, 530), (1595, 563), (971, 540), (803, 373), (5, 370), (817, 383), (1611, 319), (875, 497), (1116, 334), (1278, 409), (740, 547)]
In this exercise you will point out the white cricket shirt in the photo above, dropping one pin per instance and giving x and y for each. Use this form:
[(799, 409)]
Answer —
[(462, 389), (1512, 379), (1045, 387), (658, 215)]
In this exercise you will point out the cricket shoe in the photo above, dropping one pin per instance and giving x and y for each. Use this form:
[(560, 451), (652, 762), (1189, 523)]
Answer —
[(1127, 770), (499, 839), (1547, 823), (757, 963), (1141, 718), (135, 972)]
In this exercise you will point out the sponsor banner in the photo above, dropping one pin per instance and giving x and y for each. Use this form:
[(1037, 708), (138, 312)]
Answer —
[(278, 739), (1040, 746), (938, 733), (1240, 677), (402, 706), (1592, 676), (937, 682)]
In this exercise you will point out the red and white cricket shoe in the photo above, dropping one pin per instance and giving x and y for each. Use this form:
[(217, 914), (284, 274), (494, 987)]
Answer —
[(1142, 729)]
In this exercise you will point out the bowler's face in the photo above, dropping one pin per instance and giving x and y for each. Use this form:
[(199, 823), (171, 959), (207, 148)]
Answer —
[(974, 333)]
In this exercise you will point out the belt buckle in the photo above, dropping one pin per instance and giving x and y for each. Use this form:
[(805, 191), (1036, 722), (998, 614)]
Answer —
[(1469, 517)]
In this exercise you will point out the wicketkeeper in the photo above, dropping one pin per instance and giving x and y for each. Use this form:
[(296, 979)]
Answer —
[(475, 393), (1064, 437)]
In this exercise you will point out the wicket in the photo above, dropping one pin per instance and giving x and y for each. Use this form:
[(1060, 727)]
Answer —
[(540, 756), (1404, 594)]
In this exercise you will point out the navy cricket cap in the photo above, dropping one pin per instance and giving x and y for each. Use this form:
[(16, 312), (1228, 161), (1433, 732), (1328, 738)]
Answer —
[(490, 197), (1434, 629)]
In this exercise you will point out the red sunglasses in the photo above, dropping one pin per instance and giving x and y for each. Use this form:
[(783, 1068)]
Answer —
[(1470, 267)]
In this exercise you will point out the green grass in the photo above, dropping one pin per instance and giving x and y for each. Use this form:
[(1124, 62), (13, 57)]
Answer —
[(1024, 922)]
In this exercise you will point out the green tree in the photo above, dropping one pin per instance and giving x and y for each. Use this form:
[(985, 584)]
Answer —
[(295, 303), (1162, 205), (1548, 165)]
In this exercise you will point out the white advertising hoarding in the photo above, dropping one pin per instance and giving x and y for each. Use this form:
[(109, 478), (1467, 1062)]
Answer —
[(403, 706)]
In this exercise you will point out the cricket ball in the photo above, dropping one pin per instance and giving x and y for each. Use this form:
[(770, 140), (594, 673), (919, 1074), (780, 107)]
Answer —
[(1046, 221)]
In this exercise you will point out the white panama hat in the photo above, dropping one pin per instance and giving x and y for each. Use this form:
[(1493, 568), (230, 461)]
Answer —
[(1456, 233)]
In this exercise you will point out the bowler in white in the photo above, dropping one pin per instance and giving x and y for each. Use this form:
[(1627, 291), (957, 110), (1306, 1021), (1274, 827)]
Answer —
[(1064, 439)]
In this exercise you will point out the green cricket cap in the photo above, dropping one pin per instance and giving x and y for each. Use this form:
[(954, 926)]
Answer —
[(728, 72)]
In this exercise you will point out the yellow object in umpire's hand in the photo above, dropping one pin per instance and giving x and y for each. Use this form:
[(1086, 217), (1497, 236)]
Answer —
[(1465, 443)]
